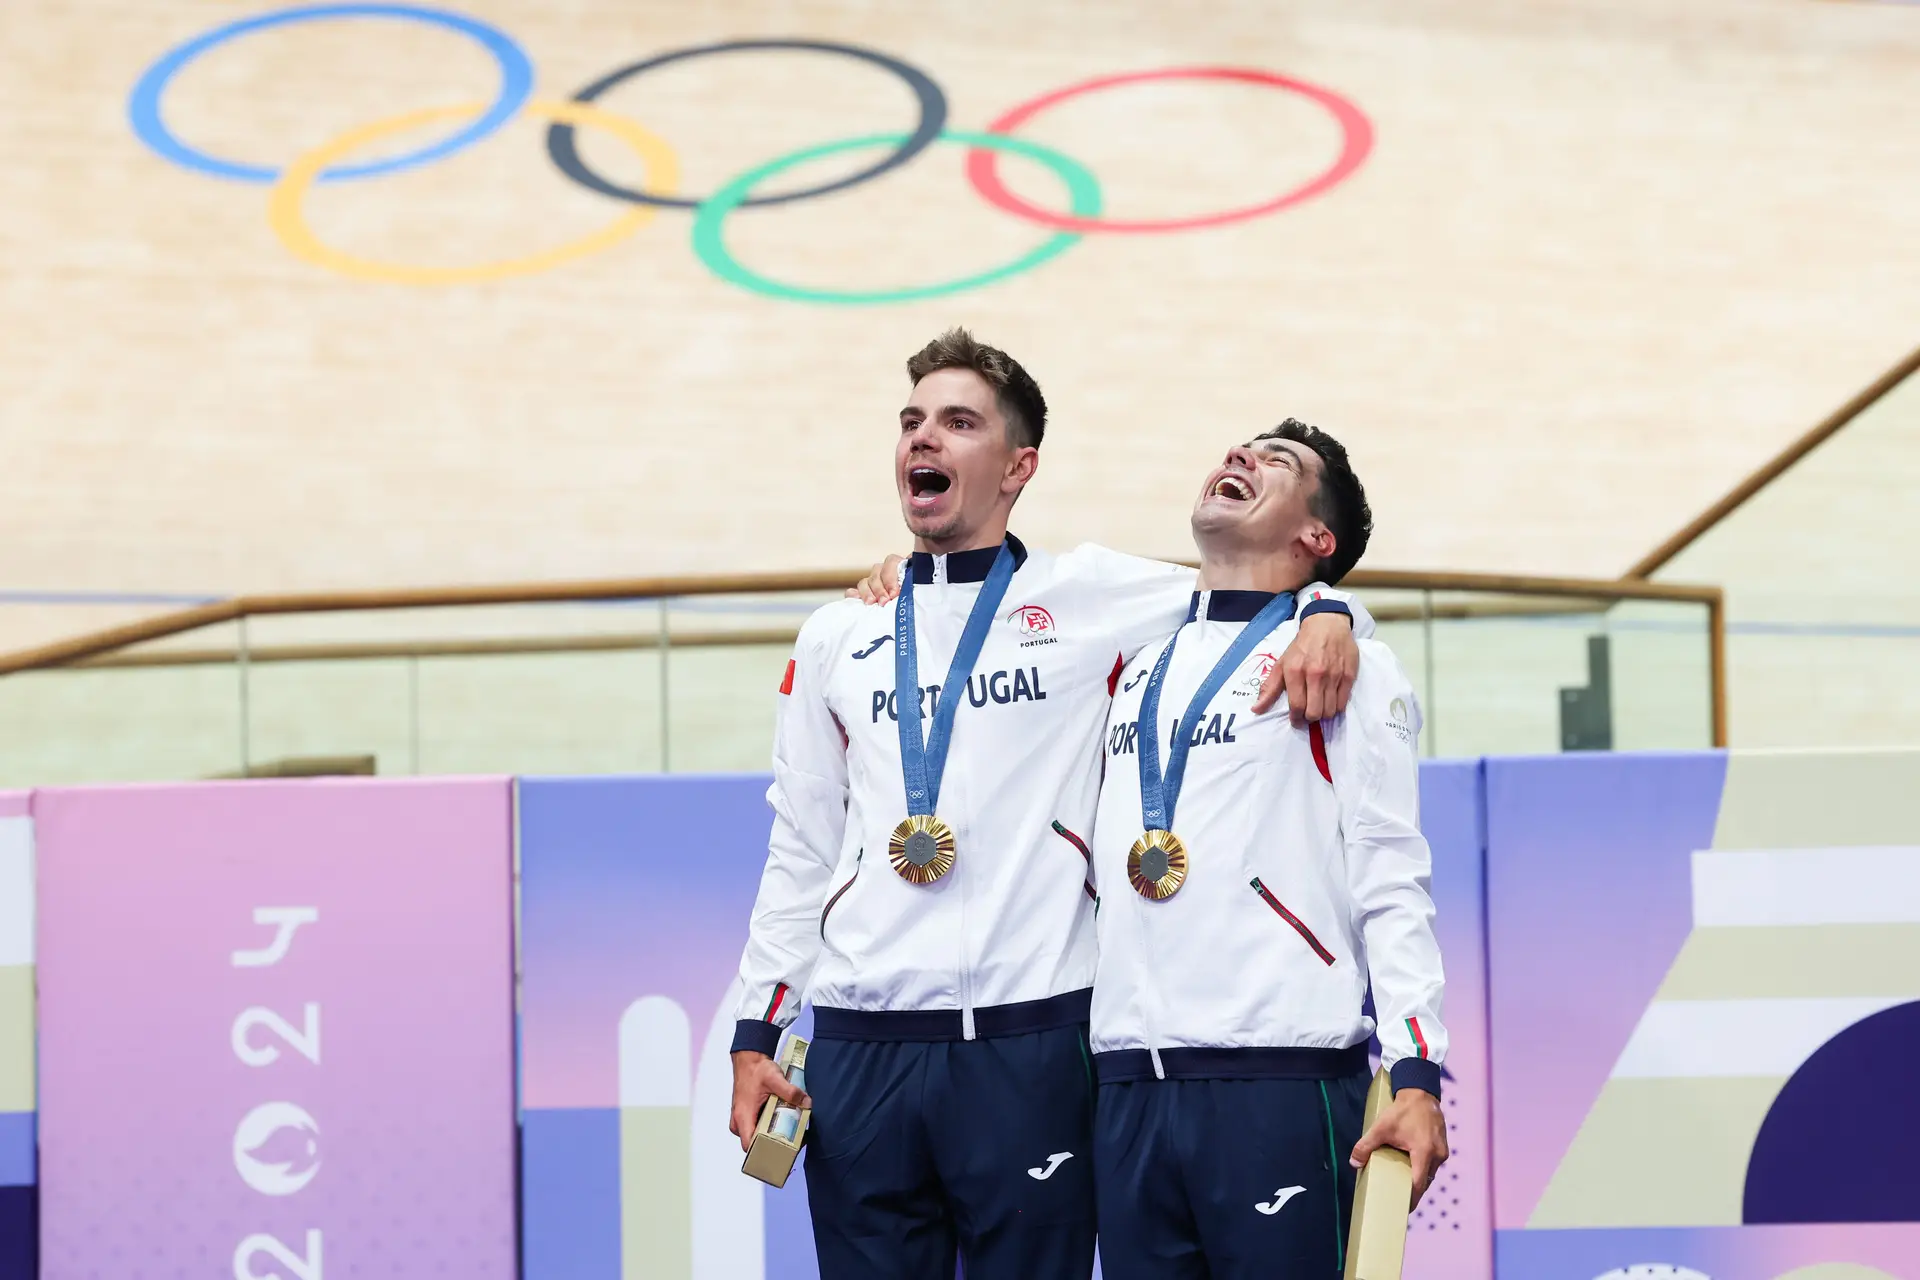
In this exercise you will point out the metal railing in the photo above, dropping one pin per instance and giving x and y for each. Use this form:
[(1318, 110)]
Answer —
[(541, 672)]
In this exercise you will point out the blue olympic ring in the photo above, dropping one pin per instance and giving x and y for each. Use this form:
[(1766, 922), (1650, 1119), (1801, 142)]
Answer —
[(516, 85)]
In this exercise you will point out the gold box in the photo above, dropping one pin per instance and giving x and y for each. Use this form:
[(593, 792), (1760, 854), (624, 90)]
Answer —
[(1382, 1199), (770, 1157)]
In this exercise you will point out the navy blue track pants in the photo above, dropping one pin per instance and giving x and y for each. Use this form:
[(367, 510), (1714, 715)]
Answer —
[(921, 1150), (1225, 1179)]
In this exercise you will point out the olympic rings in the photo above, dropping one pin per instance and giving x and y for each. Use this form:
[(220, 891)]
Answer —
[(709, 244), (1356, 141), (288, 219), (286, 200), (933, 117), (143, 105)]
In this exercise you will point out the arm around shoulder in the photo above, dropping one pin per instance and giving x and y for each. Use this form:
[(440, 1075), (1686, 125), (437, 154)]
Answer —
[(1140, 601), (1318, 597), (1317, 671)]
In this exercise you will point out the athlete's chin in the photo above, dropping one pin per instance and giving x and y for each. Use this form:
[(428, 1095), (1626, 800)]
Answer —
[(934, 526), (1216, 520)]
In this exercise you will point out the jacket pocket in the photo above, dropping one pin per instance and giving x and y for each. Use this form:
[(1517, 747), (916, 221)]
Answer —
[(841, 892), (1299, 927), (1085, 853)]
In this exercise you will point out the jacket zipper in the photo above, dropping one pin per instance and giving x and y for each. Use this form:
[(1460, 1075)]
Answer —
[(960, 873), (841, 892), (966, 969), (1293, 920), (1149, 992)]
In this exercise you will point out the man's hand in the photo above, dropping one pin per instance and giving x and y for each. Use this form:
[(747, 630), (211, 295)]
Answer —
[(881, 584), (755, 1076), (1413, 1124), (1316, 672)]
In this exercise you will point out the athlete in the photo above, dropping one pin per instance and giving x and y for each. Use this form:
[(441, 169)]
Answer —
[(934, 905), (1256, 878)]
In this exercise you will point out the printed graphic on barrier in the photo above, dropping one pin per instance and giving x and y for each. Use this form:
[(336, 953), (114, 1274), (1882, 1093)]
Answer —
[(274, 1025), (17, 1156), (276, 1029), (635, 894), (1451, 1234), (1704, 968)]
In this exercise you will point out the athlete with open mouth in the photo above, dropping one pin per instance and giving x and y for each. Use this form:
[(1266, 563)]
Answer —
[(954, 735), (1261, 879)]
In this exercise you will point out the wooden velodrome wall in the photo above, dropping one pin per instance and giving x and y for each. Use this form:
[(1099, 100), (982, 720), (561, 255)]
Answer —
[(1602, 258)]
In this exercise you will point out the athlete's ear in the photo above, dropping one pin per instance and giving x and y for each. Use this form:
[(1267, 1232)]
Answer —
[(1025, 462), (1318, 540)]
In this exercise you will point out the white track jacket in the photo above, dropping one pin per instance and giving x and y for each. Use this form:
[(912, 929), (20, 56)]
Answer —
[(1307, 877), (1004, 942)]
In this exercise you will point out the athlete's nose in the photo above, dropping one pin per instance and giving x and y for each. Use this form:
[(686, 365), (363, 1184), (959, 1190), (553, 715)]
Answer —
[(1241, 456)]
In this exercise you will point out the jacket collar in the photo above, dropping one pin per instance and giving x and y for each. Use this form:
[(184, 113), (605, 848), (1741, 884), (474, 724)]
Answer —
[(963, 566), (1227, 606)]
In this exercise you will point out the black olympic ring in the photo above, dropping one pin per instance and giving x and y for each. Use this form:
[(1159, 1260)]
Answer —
[(933, 118)]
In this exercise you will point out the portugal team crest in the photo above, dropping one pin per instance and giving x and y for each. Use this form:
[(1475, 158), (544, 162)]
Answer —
[(1032, 620)]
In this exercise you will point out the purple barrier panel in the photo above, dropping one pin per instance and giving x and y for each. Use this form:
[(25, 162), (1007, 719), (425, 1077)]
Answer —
[(634, 898), (1451, 1234), (276, 1030), (634, 901), (1586, 908), (1702, 969)]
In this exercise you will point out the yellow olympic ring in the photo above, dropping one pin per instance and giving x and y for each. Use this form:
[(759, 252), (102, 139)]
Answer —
[(286, 214)]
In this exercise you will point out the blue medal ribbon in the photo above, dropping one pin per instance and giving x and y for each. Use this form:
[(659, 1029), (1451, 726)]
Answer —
[(924, 763), (1159, 793)]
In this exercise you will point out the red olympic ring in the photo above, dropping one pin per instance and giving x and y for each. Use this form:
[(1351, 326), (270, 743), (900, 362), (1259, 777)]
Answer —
[(983, 167)]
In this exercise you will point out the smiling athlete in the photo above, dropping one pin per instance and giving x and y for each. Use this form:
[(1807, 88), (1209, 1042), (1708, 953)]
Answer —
[(954, 738), (1258, 877)]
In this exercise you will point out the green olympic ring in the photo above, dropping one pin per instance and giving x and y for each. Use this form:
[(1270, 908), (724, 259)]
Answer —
[(709, 244)]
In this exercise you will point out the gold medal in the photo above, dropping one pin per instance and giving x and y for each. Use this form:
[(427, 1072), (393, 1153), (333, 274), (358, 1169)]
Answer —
[(921, 848), (1157, 865)]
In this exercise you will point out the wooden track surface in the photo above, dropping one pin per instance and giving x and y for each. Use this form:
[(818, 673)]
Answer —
[(1606, 257)]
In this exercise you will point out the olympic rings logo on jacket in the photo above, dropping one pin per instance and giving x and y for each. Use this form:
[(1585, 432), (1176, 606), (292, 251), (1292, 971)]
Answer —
[(331, 161)]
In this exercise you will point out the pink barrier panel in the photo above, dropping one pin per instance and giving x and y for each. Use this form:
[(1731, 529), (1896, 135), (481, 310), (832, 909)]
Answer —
[(277, 1030), (17, 1175)]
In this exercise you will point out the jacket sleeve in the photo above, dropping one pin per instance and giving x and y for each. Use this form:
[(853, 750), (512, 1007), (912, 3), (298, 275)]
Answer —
[(1318, 597), (1140, 601), (1145, 601), (1376, 780), (809, 799)]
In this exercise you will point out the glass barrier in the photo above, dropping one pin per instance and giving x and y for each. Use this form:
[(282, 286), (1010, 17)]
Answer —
[(1823, 627), (150, 718), (689, 684)]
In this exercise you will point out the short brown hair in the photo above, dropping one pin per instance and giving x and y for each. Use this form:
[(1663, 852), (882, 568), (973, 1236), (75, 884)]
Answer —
[(1019, 395), (1340, 502)]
